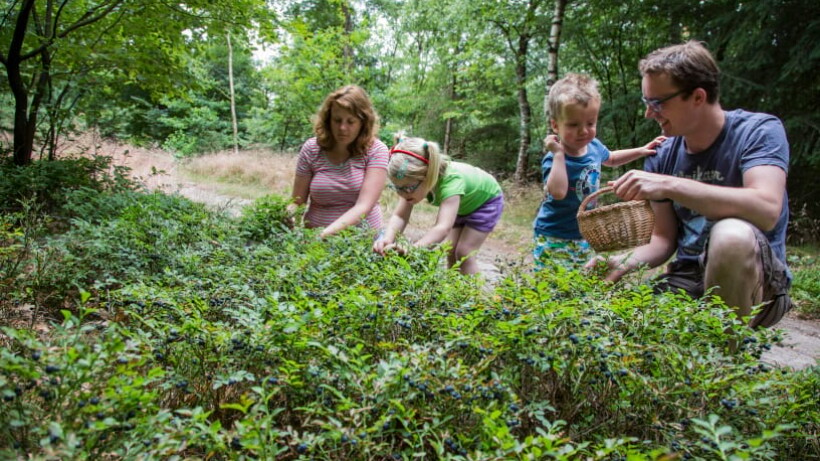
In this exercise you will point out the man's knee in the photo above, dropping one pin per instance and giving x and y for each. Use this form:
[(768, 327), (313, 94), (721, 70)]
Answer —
[(732, 242)]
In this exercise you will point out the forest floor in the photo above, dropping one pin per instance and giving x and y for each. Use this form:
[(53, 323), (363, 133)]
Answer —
[(157, 169)]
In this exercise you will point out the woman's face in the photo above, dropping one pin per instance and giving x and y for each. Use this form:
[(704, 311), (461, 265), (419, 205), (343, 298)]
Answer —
[(344, 125)]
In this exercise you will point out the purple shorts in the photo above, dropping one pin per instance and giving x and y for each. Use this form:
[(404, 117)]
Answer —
[(485, 217)]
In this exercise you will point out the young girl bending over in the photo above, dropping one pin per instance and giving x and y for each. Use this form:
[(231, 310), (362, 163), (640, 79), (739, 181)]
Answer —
[(469, 199)]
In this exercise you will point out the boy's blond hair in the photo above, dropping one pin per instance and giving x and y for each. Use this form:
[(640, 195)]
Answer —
[(572, 89)]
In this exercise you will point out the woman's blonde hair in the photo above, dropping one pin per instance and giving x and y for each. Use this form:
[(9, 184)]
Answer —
[(356, 100), (402, 165)]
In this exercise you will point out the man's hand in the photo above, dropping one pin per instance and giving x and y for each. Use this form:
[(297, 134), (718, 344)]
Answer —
[(610, 268), (642, 185)]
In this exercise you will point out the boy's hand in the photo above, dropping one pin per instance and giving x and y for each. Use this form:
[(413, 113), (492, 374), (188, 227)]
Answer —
[(553, 144), (651, 147)]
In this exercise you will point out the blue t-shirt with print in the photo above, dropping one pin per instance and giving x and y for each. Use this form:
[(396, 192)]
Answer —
[(556, 218), (747, 140)]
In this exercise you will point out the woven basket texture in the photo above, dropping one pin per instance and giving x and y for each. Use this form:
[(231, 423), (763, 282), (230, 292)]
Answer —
[(615, 227)]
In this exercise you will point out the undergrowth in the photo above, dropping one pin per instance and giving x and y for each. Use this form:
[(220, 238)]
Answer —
[(173, 332)]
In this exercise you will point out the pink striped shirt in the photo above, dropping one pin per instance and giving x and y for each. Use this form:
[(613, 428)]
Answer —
[(334, 189)]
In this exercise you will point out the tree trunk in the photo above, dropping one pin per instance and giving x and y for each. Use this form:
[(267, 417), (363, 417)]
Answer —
[(523, 109), (233, 98), (448, 125), (347, 51), (23, 129), (554, 44)]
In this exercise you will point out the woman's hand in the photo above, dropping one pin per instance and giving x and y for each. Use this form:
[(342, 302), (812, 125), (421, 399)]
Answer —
[(291, 211)]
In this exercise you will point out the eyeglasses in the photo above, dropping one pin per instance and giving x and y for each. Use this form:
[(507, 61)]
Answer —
[(655, 103), (405, 189)]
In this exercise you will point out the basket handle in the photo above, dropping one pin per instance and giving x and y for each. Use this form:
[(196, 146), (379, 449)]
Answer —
[(592, 196)]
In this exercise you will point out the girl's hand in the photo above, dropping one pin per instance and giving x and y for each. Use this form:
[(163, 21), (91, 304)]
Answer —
[(381, 245)]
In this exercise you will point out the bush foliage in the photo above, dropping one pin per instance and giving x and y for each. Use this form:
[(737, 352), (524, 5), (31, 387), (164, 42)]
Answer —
[(178, 332)]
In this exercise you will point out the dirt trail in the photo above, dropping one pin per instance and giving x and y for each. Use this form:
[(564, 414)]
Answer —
[(799, 349)]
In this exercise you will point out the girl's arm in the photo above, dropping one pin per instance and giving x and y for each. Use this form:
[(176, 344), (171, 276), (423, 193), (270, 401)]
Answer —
[(620, 157), (557, 183), (447, 213), (374, 180), (396, 225)]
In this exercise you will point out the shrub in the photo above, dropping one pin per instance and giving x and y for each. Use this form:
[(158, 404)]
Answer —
[(292, 347), (265, 217), (48, 181)]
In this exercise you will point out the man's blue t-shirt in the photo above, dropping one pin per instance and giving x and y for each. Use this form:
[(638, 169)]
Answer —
[(556, 218), (747, 140)]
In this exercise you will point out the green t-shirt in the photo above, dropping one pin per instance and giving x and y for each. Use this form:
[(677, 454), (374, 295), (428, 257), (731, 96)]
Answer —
[(474, 185)]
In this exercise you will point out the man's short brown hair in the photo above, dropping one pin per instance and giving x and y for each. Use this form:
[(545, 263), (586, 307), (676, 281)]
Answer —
[(690, 66)]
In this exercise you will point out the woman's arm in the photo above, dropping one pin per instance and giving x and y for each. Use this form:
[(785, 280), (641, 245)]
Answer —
[(374, 180), (301, 189)]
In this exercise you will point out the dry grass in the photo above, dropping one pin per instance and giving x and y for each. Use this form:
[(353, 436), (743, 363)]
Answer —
[(249, 174)]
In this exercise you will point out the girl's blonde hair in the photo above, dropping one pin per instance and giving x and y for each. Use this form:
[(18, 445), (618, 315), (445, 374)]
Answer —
[(356, 100), (402, 165)]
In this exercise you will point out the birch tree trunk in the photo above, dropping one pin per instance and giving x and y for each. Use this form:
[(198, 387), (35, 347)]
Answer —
[(554, 44), (524, 110), (233, 98)]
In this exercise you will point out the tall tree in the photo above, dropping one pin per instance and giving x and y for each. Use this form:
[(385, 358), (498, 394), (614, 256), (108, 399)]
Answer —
[(554, 45), (520, 23), (141, 40), (233, 97)]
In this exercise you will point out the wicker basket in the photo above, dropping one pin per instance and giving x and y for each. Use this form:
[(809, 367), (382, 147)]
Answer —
[(618, 226)]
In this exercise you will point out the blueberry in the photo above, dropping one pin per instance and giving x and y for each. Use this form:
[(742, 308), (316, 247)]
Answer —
[(302, 448), (52, 369), (94, 400), (573, 338), (36, 355)]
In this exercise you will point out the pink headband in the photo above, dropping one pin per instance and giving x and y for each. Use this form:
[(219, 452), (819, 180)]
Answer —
[(412, 154)]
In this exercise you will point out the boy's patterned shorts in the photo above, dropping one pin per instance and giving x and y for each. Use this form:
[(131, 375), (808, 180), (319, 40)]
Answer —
[(572, 254)]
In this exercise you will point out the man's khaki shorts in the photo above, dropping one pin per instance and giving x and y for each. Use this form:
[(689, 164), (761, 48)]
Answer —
[(688, 276)]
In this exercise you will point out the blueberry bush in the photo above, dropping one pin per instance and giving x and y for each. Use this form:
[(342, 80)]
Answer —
[(176, 332)]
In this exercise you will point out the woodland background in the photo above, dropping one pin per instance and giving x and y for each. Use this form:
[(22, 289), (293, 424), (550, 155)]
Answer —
[(203, 76)]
